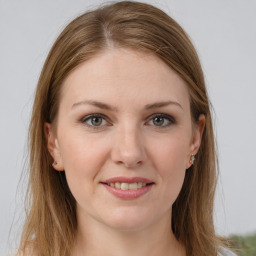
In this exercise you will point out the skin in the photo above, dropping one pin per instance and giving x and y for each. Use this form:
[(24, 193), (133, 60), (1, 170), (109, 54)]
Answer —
[(128, 142)]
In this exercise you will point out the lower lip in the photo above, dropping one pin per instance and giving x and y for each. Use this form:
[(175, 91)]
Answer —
[(128, 194)]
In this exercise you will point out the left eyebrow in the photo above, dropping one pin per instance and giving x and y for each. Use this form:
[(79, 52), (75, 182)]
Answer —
[(162, 104)]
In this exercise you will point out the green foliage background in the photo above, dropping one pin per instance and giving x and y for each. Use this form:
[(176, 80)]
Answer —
[(243, 245)]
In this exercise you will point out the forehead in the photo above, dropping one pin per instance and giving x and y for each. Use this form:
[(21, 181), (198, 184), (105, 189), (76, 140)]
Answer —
[(124, 76)]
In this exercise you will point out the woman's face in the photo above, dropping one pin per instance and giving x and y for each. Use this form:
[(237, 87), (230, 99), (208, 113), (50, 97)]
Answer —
[(124, 138)]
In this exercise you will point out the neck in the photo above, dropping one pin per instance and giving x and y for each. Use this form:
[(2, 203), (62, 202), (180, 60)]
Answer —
[(97, 239)]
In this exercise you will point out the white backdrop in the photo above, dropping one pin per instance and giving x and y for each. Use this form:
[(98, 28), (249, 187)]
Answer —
[(224, 33)]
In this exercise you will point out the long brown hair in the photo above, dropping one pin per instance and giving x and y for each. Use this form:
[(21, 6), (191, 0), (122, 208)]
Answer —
[(51, 216)]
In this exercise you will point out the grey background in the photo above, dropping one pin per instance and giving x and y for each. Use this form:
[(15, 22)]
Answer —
[(224, 33)]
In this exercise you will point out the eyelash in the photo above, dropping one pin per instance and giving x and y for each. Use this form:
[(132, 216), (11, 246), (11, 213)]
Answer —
[(85, 120), (169, 119)]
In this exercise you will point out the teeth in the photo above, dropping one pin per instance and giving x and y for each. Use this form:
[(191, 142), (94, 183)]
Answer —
[(124, 186), (133, 186), (139, 185), (127, 186), (117, 185)]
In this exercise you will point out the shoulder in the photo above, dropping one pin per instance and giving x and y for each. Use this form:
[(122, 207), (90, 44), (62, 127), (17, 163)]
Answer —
[(225, 252)]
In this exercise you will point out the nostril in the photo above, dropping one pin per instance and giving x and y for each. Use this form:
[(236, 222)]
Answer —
[(139, 162), (129, 164)]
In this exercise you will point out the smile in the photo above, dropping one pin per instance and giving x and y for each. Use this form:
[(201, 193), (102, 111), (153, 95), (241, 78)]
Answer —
[(128, 188)]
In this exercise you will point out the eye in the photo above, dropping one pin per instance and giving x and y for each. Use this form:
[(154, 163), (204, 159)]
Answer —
[(94, 121), (161, 120)]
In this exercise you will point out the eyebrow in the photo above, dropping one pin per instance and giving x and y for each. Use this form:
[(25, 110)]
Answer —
[(94, 103), (162, 104), (102, 105)]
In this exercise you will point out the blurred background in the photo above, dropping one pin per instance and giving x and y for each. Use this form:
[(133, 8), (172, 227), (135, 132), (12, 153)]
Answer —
[(223, 32)]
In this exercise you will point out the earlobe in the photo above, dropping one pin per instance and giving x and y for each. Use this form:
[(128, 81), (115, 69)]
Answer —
[(53, 147)]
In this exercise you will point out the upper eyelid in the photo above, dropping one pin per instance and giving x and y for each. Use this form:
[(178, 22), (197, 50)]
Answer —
[(84, 118), (167, 116)]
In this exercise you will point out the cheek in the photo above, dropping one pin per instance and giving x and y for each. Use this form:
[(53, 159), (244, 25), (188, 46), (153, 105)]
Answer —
[(170, 158), (82, 158), (170, 154)]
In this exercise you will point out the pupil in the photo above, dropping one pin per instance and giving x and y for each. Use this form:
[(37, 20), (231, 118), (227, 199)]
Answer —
[(158, 121), (96, 121)]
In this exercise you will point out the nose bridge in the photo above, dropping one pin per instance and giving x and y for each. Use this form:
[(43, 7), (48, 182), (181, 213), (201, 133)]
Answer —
[(129, 148)]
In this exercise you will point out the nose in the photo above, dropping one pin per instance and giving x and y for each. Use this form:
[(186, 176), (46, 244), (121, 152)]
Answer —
[(128, 148)]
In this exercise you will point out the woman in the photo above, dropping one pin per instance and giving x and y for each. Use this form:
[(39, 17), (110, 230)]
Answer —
[(122, 152)]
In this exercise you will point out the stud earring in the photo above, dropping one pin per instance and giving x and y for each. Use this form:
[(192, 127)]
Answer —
[(192, 159), (54, 163)]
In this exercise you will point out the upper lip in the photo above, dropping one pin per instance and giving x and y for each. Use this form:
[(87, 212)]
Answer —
[(123, 179)]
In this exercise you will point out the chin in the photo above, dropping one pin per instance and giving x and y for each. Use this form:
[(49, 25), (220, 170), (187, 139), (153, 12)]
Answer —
[(129, 220)]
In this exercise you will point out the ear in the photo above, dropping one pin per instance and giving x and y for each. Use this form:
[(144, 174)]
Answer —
[(198, 130), (53, 147)]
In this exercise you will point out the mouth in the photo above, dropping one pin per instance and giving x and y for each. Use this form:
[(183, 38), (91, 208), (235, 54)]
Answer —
[(128, 188)]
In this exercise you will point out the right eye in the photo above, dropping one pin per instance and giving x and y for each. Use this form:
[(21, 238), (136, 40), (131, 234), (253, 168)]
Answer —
[(94, 121)]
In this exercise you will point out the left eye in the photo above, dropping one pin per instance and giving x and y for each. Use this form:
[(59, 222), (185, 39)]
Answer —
[(94, 121), (161, 120)]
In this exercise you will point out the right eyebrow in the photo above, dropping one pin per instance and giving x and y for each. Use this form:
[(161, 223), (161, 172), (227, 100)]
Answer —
[(97, 104)]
